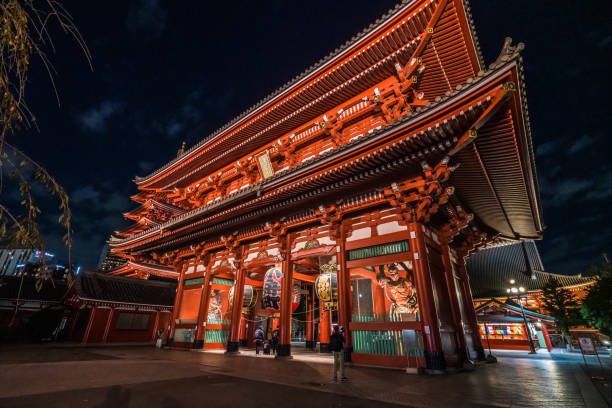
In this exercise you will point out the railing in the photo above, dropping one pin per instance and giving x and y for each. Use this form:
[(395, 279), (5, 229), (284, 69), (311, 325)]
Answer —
[(387, 342), (378, 317)]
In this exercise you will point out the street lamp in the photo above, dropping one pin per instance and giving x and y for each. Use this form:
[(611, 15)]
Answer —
[(516, 291)]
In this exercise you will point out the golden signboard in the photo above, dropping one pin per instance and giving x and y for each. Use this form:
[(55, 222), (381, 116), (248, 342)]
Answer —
[(265, 165)]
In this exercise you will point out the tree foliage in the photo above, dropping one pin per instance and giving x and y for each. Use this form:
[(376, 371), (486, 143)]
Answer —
[(23, 36), (562, 305), (597, 306)]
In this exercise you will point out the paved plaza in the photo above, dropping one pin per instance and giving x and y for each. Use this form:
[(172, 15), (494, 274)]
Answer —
[(51, 376)]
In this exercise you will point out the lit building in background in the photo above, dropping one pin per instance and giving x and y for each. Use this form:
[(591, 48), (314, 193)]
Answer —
[(108, 262), (33, 262)]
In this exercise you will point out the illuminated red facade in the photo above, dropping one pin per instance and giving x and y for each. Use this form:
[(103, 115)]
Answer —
[(388, 162)]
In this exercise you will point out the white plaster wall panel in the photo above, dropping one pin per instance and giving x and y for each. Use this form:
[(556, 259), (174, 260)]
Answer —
[(361, 233), (390, 228)]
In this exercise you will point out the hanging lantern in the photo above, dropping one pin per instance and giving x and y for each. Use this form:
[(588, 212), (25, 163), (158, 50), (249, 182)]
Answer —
[(296, 295), (272, 291), (249, 299), (326, 286)]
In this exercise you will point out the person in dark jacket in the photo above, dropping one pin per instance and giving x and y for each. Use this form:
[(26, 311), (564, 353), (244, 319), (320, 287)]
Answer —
[(336, 345), (259, 338), (274, 341)]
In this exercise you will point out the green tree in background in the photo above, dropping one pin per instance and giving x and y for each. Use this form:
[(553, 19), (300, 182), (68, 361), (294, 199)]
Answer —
[(562, 305), (597, 306)]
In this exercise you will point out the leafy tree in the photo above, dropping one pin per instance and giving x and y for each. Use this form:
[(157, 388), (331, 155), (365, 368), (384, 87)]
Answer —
[(597, 306), (24, 36), (562, 305)]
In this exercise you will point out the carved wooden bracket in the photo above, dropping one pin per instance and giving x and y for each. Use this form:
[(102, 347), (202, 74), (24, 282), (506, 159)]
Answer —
[(418, 199), (459, 220)]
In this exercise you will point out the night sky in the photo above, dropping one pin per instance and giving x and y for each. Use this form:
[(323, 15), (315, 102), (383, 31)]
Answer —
[(172, 71)]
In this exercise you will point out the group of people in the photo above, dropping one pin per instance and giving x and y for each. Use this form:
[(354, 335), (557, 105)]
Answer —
[(336, 346), (269, 345)]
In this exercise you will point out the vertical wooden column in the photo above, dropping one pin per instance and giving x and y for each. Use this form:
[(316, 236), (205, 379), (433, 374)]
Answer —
[(203, 311), (155, 327), (469, 307), (284, 346), (324, 329), (233, 341), (434, 356), (92, 315), (460, 342), (546, 337), (379, 298), (310, 343), (242, 331), (177, 300), (109, 322), (344, 294)]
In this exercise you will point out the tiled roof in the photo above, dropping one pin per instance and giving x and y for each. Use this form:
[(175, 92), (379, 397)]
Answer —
[(99, 286), (490, 271), (51, 291)]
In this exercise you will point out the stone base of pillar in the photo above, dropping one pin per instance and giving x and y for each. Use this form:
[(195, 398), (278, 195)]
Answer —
[(311, 344), (233, 347), (243, 343), (465, 361), (324, 348), (436, 364), (198, 344), (347, 353), (480, 353), (283, 350)]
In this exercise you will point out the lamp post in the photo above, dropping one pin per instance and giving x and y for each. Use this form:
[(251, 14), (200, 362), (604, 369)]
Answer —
[(516, 291)]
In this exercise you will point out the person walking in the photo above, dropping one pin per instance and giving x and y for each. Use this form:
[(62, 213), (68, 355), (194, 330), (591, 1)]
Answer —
[(274, 341), (336, 345), (259, 338)]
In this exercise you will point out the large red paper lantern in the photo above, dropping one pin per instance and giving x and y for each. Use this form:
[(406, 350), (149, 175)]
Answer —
[(272, 292)]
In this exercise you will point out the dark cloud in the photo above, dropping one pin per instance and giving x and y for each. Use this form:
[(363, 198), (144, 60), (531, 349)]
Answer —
[(95, 119), (146, 18), (547, 148), (581, 144)]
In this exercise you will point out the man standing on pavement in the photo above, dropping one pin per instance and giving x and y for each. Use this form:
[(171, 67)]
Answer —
[(259, 338), (336, 345)]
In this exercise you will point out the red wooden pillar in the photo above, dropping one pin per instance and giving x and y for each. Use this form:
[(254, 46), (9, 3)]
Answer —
[(92, 315), (310, 343), (109, 322), (379, 298), (449, 275), (250, 330), (155, 327), (233, 341), (344, 295), (324, 329), (434, 355), (203, 312), (469, 307), (284, 346), (177, 300), (546, 337), (242, 338)]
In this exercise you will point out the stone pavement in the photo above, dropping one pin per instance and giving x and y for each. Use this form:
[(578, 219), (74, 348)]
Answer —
[(146, 377)]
